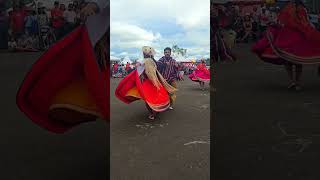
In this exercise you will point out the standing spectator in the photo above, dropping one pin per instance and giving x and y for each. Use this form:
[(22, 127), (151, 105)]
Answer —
[(128, 67), (78, 16), (123, 69), (4, 27), (115, 68), (17, 22), (30, 23), (43, 19), (63, 7), (63, 28), (75, 5), (264, 21), (255, 23), (70, 18), (273, 19), (57, 20), (180, 72), (119, 70)]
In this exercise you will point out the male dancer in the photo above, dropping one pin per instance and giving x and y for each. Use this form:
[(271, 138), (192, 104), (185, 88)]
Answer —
[(168, 67)]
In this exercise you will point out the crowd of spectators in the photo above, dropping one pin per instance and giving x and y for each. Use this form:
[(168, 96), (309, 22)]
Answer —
[(35, 26), (250, 25), (247, 25), (119, 70)]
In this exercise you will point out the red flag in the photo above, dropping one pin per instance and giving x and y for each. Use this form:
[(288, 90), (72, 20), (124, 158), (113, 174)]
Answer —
[(68, 60)]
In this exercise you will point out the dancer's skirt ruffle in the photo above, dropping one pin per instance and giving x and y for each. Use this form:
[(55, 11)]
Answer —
[(281, 45), (133, 88), (65, 83), (200, 76)]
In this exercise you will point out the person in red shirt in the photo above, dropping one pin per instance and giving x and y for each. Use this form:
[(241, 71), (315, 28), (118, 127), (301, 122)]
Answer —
[(128, 67), (115, 68), (57, 19), (17, 22)]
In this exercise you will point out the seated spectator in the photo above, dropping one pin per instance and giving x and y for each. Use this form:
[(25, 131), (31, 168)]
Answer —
[(247, 25)]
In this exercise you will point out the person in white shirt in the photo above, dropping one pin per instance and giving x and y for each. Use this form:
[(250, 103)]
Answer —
[(70, 14)]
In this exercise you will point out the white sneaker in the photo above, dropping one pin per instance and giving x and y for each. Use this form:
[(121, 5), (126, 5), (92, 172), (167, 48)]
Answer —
[(171, 108)]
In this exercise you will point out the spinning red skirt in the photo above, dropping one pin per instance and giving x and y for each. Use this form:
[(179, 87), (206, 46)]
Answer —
[(66, 78), (296, 41), (200, 75), (133, 87)]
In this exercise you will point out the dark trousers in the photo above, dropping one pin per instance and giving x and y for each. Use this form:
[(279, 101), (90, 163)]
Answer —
[(58, 31)]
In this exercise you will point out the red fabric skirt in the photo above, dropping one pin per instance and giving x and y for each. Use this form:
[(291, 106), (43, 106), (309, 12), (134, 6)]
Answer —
[(132, 88), (70, 60), (281, 45), (200, 75)]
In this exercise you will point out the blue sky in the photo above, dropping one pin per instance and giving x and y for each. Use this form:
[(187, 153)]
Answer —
[(160, 23)]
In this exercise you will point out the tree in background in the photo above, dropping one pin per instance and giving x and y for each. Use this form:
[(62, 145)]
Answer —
[(179, 51)]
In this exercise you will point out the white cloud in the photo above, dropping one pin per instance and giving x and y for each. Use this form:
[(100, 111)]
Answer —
[(188, 13), (128, 30), (123, 54), (131, 36)]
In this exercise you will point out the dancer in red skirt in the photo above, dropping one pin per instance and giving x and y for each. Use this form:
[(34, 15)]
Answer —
[(68, 85), (201, 74), (292, 43), (148, 84)]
